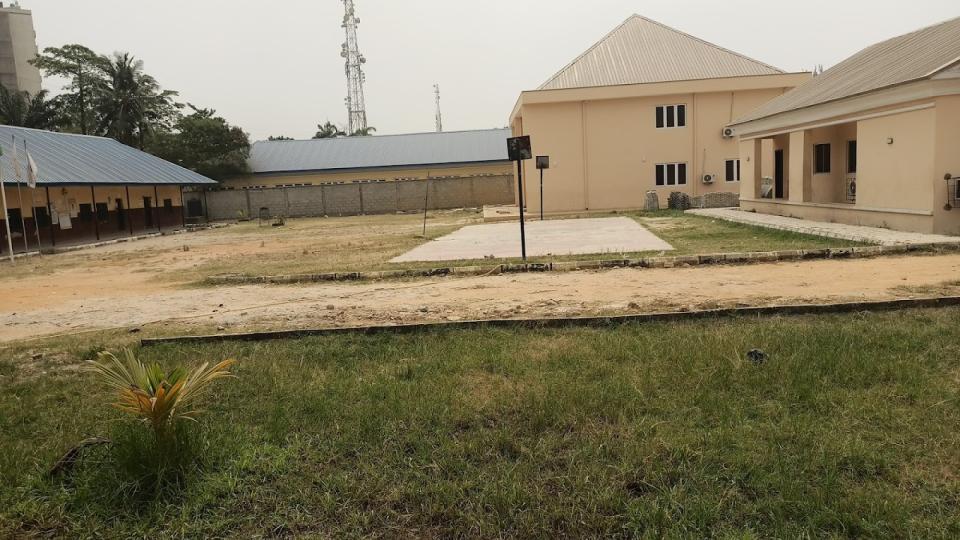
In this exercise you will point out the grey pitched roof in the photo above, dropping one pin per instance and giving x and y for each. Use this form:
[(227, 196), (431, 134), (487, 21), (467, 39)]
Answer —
[(380, 151), (907, 58), (65, 158), (642, 50)]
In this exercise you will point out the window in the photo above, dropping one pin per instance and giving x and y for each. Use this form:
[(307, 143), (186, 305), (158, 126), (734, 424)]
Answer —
[(821, 158), (851, 157), (669, 116), (733, 170), (168, 205), (41, 216), (671, 174)]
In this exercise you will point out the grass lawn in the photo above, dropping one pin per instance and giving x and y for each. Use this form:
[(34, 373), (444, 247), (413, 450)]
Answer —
[(355, 246), (849, 430)]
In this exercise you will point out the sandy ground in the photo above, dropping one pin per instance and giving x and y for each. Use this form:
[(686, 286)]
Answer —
[(97, 303)]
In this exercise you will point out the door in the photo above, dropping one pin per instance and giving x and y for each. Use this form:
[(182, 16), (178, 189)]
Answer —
[(148, 212), (121, 216), (851, 184), (778, 174)]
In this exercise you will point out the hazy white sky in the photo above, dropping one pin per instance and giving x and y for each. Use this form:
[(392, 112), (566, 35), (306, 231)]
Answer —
[(274, 66)]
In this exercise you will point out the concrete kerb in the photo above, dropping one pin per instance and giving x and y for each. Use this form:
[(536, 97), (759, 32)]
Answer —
[(676, 261), (573, 322)]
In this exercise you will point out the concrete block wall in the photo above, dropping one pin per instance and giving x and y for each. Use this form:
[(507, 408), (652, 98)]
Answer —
[(718, 199), (356, 199)]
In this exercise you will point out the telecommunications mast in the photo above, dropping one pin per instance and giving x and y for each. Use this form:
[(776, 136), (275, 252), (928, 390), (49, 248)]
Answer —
[(356, 108)]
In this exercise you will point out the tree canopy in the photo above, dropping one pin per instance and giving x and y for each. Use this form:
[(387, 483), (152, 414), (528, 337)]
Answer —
[(23, 110), (205, 143)]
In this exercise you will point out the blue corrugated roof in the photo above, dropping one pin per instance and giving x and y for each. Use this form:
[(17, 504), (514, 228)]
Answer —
[(380, 151), (65, 158)]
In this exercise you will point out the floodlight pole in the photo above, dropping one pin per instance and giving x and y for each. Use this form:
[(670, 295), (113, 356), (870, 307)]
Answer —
[(523, 233), (541, 194)]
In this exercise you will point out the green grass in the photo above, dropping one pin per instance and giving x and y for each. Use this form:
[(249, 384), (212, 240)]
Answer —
[(696, 235), (850, 430), (688, 234)]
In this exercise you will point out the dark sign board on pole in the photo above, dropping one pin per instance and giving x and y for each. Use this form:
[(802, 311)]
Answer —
[(543, 162), (519, 149)]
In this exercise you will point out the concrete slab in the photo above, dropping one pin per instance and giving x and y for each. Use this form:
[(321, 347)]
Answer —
[(551, 237), (858, 233)]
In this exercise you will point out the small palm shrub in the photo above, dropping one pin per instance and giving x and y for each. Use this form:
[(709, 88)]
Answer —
[(158, 398), (155, 462)]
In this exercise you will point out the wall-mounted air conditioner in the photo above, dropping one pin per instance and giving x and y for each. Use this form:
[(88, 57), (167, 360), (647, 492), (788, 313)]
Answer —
[(729, 133), (708, 178)]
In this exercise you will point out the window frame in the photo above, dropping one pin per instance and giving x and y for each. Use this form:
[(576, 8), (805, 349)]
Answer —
[(670, 116), (664, 171), (731, 165), (817, 162)]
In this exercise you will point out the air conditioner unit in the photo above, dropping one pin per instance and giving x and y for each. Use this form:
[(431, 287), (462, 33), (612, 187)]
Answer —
[(708, 178), (729, 133)]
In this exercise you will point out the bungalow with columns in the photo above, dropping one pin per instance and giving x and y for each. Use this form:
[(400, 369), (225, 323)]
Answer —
[(873, 141), (88, 189)]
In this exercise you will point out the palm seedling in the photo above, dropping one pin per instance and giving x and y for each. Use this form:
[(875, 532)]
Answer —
[(156, 397)]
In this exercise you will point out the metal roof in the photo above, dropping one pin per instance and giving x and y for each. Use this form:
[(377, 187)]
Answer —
[(380, 151), (65, 158), (910, 57), (642, 51)]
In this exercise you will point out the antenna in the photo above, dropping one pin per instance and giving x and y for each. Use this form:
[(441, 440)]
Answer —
[(356, 108), (436, 91)]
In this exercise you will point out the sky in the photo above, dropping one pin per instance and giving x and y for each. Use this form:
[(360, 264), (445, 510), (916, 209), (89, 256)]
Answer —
[(273, 67)]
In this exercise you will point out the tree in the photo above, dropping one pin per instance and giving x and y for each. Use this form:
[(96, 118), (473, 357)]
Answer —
[(328, 131), (23, 110), (205, 143), (279, 138), (130, 104), (365, 132), (84, 70)]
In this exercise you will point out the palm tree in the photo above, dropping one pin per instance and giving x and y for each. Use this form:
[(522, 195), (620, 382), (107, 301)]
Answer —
[(130, 104), (365, 132), (328, 131), (23, 110)]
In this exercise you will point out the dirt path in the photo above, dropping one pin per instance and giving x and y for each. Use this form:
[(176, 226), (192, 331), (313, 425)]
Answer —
[(104, 305)]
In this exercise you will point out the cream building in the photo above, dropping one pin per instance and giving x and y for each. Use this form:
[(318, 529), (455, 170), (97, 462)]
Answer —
[(874, 140), (18, 46), (643, 109), (88, 189)]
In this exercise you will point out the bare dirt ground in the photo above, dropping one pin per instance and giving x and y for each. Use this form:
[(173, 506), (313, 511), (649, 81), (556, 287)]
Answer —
[(93, 302)]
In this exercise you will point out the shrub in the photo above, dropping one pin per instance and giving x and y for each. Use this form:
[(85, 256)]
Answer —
[(158, 398)]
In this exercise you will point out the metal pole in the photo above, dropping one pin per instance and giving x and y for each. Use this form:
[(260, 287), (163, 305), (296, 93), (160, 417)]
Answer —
[(128, 211), (523, 232), (53, 236), (93, 207), (426, 197), (33, 200), (183, 210), (23, 220), (36, 222), (541, 194), (6, 218)]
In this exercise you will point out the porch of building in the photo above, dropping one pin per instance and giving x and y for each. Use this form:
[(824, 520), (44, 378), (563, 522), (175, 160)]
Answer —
[(59, 215)]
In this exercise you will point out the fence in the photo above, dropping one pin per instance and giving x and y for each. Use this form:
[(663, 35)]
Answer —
[(356, 199)]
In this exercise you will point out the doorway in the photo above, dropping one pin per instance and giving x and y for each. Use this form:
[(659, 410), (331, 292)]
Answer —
[(148, 212), (778, 174), (121, 215)]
